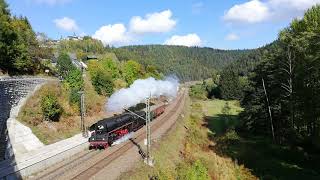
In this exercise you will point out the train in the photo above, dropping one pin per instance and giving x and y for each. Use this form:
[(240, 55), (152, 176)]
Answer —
[(108, 130)]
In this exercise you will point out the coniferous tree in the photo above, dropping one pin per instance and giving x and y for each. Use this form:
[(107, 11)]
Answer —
[(64, 64), (229, 85)]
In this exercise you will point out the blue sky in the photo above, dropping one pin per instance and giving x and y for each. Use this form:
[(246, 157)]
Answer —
[(227, 24)]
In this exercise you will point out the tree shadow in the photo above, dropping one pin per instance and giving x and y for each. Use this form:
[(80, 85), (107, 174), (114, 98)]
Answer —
[(141, 152), (221, 123), (7, 165), (266, 159), (9, 97)]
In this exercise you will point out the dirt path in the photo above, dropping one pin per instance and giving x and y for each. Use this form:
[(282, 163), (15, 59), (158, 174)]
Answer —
[(109, 164)]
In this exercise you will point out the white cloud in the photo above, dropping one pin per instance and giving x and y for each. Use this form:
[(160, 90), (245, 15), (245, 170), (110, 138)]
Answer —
[(232, 37), (112, 34), (255, 11), (250, 12), (66, 24), (187, 40), (294, 5), (289, 9), (52, 2), (157, 22)]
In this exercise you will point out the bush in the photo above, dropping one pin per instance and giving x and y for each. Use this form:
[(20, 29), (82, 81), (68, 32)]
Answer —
[(198, 91), (102, 82), (132, 71), (74, 79), (74, 97), (64, 64), (102, 76), (50, 107), (119, 83), (196, 171)]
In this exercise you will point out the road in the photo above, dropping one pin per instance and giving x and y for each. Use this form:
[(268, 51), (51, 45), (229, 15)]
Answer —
[(110, 163)]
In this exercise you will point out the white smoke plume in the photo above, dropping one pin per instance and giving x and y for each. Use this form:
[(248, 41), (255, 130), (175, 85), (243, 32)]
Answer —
[(123, 139), (140, 90)]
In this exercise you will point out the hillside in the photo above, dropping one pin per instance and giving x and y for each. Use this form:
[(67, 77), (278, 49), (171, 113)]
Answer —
[(188, 63)]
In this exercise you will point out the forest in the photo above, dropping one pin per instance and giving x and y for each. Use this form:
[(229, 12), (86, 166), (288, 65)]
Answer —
[(188, 63)]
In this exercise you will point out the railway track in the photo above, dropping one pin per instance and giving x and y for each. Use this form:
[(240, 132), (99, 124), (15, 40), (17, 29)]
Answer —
[(89, 163)]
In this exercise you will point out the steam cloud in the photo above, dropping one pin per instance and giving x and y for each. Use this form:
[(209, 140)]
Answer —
[(123, 139), (140, 90)]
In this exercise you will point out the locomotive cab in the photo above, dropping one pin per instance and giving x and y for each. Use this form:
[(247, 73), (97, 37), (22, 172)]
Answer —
[(99, 138)]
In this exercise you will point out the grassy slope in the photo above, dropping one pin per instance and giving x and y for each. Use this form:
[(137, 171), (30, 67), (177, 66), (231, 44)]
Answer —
[(69, 124), (182, 147)]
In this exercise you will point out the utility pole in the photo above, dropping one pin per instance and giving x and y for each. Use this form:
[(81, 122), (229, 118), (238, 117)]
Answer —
[(148, 132), (83, 107), (82, 114), (148, 159)]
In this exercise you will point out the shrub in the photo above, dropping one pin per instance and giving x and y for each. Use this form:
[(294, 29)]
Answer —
[(198, 91), (110, 66), (102, 82), (119, 83), (102, 76), (74, 79), (64, 64), (232, 135), (74, 97), (50, 107), (132, 71), (196, 171)]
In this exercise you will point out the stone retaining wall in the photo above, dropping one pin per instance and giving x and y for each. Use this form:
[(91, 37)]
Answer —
[(13, 92)]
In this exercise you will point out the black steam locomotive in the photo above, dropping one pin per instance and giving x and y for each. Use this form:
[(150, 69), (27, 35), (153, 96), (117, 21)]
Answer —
[(108, 130)]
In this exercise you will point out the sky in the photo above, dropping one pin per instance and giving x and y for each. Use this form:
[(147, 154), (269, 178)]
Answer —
[(223, 24)]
